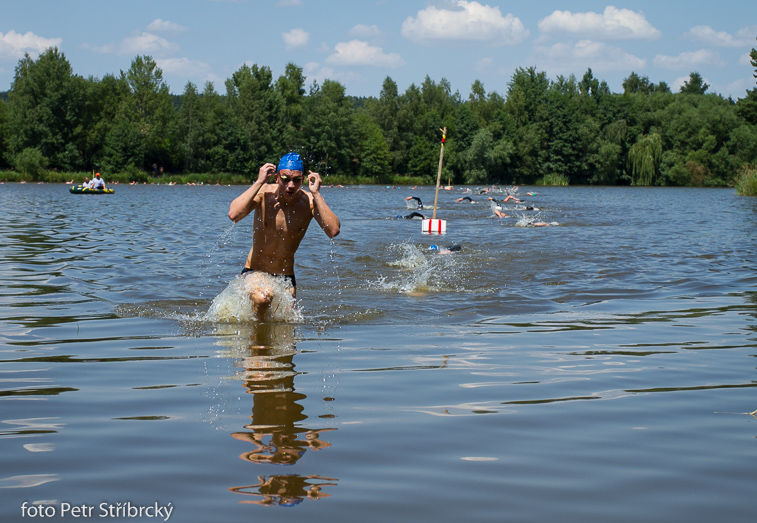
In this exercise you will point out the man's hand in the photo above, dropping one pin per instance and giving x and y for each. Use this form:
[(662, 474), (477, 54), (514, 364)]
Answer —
[(265, 172), (314, 182)]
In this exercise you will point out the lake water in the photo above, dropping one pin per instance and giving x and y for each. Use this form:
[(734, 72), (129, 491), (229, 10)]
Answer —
[(599, 369)]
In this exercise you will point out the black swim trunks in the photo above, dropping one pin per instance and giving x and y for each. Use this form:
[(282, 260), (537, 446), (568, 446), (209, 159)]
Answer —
[(288, 277)]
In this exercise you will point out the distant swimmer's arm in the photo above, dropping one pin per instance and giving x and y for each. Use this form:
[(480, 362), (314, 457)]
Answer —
[(321, 211), (244, 204)]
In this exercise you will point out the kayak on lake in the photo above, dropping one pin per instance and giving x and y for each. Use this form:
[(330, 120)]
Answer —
[(81, 189)]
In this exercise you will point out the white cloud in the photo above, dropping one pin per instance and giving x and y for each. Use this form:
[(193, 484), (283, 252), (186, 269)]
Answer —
[(314, 72), (183, 66), (706, 34), (565, 58), (295, 38), (14, 45), (735, 89), (364, 31), (146, 43), (613, 24), (484, 65), (474, 22), (688, 60), (746, 59), (165, 25), (357, 52)]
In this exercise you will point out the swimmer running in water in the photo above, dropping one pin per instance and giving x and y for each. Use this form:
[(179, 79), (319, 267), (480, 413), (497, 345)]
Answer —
[(282, 213)]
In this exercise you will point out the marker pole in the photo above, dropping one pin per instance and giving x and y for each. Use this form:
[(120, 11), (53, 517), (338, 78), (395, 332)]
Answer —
[(439, 175)]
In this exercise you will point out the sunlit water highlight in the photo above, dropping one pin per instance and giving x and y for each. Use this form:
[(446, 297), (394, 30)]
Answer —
[(601, 368)]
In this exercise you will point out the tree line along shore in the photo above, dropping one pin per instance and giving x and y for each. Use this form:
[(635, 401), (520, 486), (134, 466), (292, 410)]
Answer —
[(56, 126)]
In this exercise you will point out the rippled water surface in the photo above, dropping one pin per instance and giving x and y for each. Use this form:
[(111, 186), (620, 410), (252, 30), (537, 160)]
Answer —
[(601, 368)]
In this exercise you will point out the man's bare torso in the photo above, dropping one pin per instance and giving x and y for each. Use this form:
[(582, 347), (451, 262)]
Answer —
[(278, 228)]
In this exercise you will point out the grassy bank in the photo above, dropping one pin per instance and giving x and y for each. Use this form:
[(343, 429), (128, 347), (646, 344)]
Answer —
[(746, 181)]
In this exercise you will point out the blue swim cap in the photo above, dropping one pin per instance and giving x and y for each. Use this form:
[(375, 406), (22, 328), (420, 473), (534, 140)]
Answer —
[(291, 161)]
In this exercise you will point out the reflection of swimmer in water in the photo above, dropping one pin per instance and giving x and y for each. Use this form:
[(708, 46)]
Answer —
[(276, 425), (419, 203), (465, 198), (412, 215), (286, 490)]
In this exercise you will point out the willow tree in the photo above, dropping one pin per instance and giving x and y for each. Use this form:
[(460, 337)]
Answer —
[(645, 157)]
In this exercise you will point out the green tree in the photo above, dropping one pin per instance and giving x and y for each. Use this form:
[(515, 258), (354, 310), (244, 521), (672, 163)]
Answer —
[(645, 157), (291, 88), (486, 160), (189, 128), (31, 162), (210, 153), (694, 85), (254, 130), (104, 99), (373, 154), (46, 101), (635, 84), (527, 106), (698, 129), (141, 130), (4, 116), (384, 111), (747, 107), (329, 128)]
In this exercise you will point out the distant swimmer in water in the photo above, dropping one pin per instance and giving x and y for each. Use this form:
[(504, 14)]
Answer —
[(412, 215), (445, 250), (419, 203), (499, 213), (534, 222), (465, 198)]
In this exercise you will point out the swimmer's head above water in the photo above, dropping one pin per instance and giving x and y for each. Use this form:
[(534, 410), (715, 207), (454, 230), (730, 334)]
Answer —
[(290, 162)]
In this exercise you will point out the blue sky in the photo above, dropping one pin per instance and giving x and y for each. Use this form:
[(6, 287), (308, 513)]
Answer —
[(359, 43)]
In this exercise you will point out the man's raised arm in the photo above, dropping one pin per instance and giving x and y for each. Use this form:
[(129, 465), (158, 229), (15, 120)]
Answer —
[(243, 204), (321, 211)]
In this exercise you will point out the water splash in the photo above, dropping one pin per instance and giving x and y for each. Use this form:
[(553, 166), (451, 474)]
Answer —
[(533, 220), (421, 271), (212, 261), (233, 304)]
